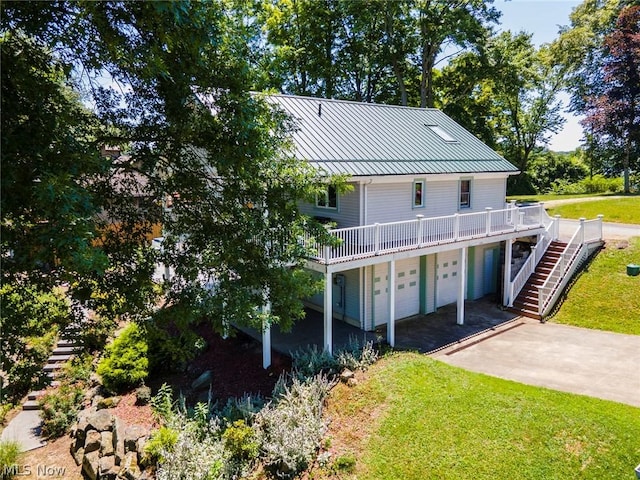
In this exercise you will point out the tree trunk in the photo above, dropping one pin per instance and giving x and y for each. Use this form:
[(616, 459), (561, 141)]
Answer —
[(627, 155)]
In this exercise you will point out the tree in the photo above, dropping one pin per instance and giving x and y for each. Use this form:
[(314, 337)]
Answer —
[(613, 108), (182, 108)]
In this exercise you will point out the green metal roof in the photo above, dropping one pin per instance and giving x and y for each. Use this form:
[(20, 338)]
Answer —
[(366, 139)]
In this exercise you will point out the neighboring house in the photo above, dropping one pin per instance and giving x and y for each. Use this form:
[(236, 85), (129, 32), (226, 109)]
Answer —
[(425, 224)]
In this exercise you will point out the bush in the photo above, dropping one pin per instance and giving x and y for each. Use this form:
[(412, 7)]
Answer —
[(59, 409), (344, 464), (241, 449), (310, 361), (596, 184), (161, 442), (291, 429), (76, 370), (243, 408), (356, 356), (126, 364), (9, 451)]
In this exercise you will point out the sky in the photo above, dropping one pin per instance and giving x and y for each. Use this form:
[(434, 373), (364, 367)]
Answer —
[(543, 18)]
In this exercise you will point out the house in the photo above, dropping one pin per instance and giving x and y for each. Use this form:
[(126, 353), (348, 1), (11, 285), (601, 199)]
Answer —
[(425, 223)]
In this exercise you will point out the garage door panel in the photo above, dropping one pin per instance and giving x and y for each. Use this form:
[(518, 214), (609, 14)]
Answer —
[(407, 287), (447, 271)]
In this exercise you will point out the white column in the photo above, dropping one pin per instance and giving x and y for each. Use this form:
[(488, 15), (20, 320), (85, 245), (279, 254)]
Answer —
[(462, 285), (266, 339), (328, 313), (391, 324), (507, 274)]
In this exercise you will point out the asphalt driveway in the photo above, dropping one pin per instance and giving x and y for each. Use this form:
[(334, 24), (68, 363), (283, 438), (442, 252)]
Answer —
[(589, 362)]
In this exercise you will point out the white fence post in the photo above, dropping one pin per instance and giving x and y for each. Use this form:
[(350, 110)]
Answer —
[(541, 212), (582, 219), (556, 227), (600, 217), (488, 213), (420, 227), (376, 239), (456, 226), (520, 220)]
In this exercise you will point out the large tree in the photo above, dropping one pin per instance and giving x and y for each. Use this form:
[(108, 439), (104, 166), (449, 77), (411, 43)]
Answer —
[(613, 106), (170, 82)]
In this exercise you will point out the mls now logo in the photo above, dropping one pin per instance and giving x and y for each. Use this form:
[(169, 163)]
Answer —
[(16, 470)]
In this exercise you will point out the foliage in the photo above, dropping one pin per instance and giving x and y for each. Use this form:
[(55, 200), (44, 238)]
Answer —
[(162, 440), (291, 428), (243, 408), (613, 308), (94, 332), (344, 464), (435, 421), (612, 105), (77, 370), (241, 445), (59, 409), (125, 363), (595, 184), (546, 168), (309, 361), (9, 452), (29, 321), (5, 408)]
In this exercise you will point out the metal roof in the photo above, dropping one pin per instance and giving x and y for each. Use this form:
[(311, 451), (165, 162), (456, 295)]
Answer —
[(365, 139)]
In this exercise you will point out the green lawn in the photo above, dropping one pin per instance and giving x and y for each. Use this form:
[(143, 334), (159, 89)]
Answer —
[(620, 210), (417, 418), (605, 297), (550, 196)]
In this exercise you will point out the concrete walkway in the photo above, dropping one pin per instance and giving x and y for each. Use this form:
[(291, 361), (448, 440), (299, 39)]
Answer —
[(589, 362), (25, 428), (610, 230)]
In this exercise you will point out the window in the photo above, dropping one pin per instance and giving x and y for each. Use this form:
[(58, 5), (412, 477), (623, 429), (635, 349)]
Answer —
[(328, 199), (442, 133), (418, 194), (465, 193)]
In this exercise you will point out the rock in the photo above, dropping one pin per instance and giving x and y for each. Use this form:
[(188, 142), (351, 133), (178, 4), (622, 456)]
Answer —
[(96, 399), (78, 455), (131, 436), (203, 380), (92, 443), (108, 403), (106, 444), (101, 421), (352, 382), (106, 464), (141, 443), (130, 469), (90, 464), (346, 375), (110, 474)]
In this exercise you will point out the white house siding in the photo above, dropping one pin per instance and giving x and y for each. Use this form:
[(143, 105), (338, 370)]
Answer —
[(488, 192), (346, 215)]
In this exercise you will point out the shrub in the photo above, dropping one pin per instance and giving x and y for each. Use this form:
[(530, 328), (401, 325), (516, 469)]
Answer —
[(596, 184), (161, 442), (76, 370), (243, 408), (9, 451), (309, 361), (344, 464), (126, 364), (291, 429), (59, 409), (356, 356), (241, 449)]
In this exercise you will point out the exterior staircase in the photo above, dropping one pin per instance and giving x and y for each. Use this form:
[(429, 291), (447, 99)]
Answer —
[(526, 303), (64, 350)]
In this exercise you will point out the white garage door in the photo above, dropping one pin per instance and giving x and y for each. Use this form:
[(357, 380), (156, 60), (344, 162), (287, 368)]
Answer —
[(447, 271), (407, 287)]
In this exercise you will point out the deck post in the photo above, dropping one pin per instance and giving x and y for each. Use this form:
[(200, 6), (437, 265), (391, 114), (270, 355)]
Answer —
[(582, 219), (506, 298), (420, 228), (600, 217), (328, 313), (462, 283), (376, 238), (556, 227), (456, 226), (541, 213), (391, 324), (488, 212)]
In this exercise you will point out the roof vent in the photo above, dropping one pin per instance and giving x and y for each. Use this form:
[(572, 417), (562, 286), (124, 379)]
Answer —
[(441, 132), (319, 109)]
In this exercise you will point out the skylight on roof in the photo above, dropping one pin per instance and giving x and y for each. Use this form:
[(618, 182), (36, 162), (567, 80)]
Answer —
[(442, 133)]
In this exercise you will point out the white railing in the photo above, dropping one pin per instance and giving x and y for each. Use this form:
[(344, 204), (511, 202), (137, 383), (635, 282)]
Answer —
[(537, 252), (381, 238), (569, 261)]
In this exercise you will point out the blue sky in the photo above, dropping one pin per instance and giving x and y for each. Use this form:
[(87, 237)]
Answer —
[(543, 18)]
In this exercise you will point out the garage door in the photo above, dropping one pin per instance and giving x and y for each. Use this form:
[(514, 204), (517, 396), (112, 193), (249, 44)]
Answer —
[(407, 287), (447, 271)]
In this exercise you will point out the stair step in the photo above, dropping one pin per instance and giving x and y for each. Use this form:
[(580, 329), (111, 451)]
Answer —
[(59, 358), (65, 342), (52, 367), (64, 351), (30, 405), (34, 395), (525, 313)]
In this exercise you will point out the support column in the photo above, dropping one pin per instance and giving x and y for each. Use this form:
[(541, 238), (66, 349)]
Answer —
[(506, 283), (266, 338), (391, 324), (462, 285), (328, 313)]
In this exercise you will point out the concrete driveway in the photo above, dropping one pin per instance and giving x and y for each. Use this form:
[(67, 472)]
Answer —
[(589, 362)]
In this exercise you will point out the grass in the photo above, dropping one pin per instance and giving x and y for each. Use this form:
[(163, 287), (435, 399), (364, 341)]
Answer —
[(604, 297), (429, 420), (620, 210), (554, 196)]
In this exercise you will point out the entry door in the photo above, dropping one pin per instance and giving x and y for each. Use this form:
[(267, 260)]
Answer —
[(447, 271), (489, 278), (407, 287)]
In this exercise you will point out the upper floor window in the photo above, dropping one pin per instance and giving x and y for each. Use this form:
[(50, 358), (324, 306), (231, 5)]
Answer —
[(327, 199), (465, 193), (418, 193)]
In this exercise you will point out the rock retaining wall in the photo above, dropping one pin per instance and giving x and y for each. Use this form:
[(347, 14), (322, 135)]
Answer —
[(107, 449)]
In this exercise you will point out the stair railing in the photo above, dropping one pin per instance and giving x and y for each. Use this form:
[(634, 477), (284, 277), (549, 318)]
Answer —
[(569, 261), (537, 252)]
